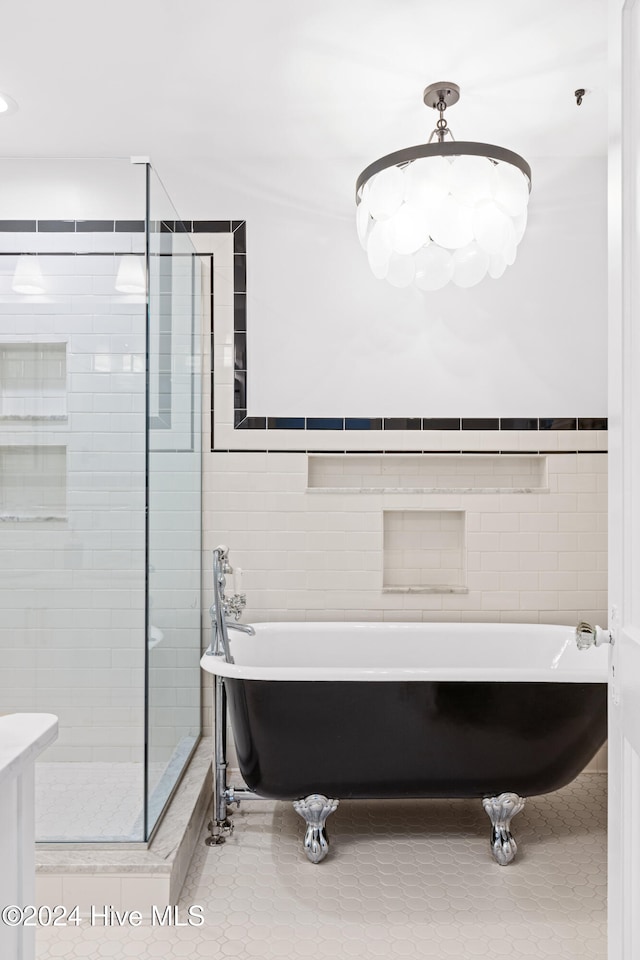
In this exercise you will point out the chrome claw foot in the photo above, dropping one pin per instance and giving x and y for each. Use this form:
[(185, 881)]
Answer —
[(315, 809), (500, 811), (219, 830)]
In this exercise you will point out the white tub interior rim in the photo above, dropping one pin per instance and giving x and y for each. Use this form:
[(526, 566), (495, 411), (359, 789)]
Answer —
[(410, 652)]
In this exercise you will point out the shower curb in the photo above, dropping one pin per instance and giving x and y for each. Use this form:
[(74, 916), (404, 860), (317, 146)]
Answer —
[(135, 878)]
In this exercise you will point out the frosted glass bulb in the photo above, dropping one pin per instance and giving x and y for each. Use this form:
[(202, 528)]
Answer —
[(471, 178), (427, 181), (401, 270), (434, 267), (510, 189), (497, 265), (362, 222), (379, 250), (451, 224), (470, 264), (492, 227), (386, 193), (409, 229)]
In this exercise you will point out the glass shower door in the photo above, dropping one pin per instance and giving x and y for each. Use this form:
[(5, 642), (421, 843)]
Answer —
[(174, 500), (72, 486), (99, 488)]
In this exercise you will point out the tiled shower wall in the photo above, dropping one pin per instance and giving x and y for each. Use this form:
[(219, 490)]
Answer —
[(72, 508), (72, 502)]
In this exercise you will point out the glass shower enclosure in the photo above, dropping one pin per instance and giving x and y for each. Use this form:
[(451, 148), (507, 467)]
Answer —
[(100, 489)]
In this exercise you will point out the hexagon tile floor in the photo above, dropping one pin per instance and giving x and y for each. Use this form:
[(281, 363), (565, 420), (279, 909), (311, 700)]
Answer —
[(406, 879)]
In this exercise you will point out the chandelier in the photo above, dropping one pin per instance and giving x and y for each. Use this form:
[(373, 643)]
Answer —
[(448, 211)]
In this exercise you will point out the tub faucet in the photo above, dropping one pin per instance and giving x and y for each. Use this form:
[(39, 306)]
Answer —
[(242, 627), (217, 646)]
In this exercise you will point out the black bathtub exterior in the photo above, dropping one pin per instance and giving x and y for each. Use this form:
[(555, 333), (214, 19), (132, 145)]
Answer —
[(384, 739)]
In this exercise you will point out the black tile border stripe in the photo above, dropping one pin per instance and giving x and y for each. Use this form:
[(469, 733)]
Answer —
[(91, 226), (401, 453), (238, 229), (393, 424)]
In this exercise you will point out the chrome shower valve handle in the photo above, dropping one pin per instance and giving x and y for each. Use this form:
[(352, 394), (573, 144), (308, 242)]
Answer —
[(234, 605)]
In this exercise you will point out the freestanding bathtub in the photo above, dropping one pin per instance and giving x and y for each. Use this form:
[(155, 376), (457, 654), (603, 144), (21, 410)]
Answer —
[(321, 711)]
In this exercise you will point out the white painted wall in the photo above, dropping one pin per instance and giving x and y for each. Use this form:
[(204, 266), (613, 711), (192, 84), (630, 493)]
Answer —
[(62, 189), (326, 338)]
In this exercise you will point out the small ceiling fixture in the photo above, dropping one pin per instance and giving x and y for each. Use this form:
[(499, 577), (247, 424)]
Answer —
[(27, 276), (131, 275), (443, 211)]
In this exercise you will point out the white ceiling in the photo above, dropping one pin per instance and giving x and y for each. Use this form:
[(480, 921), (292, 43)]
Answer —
[(193, 82)]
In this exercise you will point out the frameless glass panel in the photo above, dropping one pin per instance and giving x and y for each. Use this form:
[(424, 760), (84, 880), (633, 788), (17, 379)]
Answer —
[(174, 514), (72, 486)]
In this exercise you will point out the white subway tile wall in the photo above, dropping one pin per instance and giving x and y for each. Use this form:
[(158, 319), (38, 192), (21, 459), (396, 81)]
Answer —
[(258, 504)]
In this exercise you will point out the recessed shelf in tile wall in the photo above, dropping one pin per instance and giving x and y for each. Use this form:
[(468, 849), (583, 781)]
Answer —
[(424, 551), (33, 381), (427, 473), (33, 481)]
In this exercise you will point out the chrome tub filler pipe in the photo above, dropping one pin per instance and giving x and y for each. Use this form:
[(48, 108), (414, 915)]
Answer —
[(220, 611)]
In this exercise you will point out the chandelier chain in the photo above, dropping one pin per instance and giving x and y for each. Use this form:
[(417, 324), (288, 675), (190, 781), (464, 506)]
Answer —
[(442, 128)]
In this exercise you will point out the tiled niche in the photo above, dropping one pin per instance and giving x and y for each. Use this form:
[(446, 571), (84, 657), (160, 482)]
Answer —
[(437, 473), (33, 381), (424, 551), (33, 482)]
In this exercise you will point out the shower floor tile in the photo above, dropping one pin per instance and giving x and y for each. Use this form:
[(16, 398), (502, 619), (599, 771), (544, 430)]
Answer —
[(406, 879), (76, 802)]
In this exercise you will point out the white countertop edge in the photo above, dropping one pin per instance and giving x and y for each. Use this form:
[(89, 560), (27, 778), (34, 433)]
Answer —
[(23, 736)]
